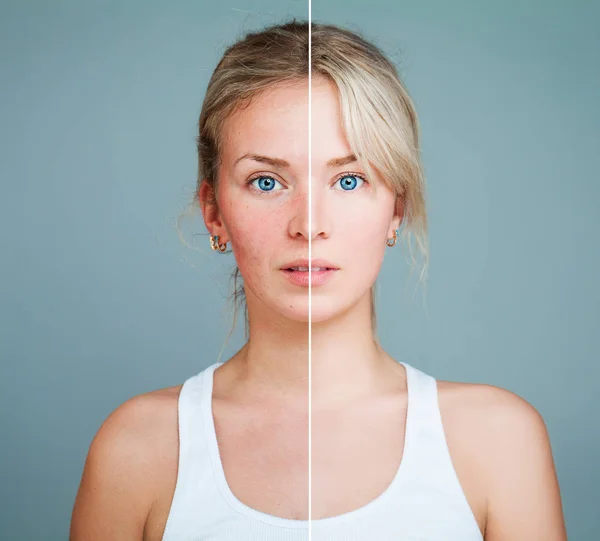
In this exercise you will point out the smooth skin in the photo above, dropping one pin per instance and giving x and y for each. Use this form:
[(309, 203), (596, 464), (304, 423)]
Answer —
[(498, 442)]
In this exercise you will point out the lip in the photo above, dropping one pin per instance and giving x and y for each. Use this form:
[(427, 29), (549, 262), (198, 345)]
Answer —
[(312, 263), (306, 279)]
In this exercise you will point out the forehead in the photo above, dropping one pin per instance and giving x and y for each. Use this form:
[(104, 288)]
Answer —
[(276, 123)]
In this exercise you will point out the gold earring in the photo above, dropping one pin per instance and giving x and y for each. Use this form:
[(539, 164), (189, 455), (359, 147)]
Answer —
[(393, 241), (215, 245)]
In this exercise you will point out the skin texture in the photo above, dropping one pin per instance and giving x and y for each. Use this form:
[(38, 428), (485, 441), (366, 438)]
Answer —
[(498, 442)]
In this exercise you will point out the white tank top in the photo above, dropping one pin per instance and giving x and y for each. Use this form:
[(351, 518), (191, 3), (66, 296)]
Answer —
[(424, 502)]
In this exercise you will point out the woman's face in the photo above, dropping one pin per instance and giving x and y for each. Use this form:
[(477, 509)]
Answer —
[(263, 201)]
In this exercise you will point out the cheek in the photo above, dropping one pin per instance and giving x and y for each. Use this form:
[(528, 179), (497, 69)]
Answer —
[(368, 243), (362, 231), (365, 226), (255, 235)]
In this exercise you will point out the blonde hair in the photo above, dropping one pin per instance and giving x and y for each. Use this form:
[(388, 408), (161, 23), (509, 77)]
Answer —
[(378, 115)]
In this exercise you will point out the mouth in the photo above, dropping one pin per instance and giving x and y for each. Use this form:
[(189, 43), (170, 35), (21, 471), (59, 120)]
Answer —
[(314, 264), (305, 276), (306, 269)]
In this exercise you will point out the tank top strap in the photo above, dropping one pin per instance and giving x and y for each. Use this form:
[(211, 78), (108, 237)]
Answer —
[(195, 486), (423, 400), (190, 417), (424, 430), (431, 463)]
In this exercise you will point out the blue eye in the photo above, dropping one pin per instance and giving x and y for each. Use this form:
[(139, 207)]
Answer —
[(350, 182), (265, 183)]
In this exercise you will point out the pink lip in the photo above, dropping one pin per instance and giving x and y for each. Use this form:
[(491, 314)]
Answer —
[(313, 263), (316, 278), (302, 278)]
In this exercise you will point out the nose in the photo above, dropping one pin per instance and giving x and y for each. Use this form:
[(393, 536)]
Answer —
[(309, 216)]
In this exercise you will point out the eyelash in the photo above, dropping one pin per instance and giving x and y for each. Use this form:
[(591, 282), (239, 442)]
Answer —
[(340, 176)]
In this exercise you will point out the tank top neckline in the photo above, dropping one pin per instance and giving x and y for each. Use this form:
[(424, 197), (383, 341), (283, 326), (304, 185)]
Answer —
[(239, 506)]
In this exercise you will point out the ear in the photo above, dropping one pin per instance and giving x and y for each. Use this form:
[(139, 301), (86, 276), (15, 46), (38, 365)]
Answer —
[(210, 211), (398, 215)]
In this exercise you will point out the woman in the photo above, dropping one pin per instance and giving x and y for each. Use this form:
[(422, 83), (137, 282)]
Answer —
[(395, 453)]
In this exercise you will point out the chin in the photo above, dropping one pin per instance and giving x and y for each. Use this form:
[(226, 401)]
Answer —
[(297, 310), (323, 307), (294, 308), (322, 312), (329, 307), (301, 315)]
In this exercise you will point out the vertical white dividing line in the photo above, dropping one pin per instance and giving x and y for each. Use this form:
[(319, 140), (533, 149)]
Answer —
[(309, 270)]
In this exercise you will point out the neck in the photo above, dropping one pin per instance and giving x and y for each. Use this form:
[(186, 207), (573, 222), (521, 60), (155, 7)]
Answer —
[(346, 360)]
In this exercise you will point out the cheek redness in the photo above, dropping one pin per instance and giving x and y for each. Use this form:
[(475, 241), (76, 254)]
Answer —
[(256, 231), (253, 230), (252, 245)]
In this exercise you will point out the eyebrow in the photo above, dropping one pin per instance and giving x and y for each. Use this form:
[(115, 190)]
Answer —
[(278, 162), (273, 162), (338, 162)]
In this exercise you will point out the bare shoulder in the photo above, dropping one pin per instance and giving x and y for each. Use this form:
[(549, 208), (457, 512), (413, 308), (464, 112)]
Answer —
[(125, 468), (504, 425), (488, 403), (488, 422), (139, 420), (500, 445)]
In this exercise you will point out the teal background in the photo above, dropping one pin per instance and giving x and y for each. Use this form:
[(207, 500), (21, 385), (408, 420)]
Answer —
[(100, 300)]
